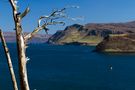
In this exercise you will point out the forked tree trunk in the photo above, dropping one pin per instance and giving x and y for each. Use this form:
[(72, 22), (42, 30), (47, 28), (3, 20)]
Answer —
[(9, 61), (21, 40), (22, 58), (20, 47)]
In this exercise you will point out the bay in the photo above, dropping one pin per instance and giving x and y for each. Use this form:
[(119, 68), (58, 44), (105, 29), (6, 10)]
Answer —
[(54, 67)]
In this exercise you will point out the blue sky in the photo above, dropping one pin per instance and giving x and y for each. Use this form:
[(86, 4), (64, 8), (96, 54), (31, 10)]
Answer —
[(94, 11)]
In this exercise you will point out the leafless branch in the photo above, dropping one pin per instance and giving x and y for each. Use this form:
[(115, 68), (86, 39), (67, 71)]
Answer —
[(52, 19), (35, 31), (21, 47), (13, 4), (27, 10), (9, 61)]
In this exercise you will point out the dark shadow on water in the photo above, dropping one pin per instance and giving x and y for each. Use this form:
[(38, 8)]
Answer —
[(117, 54)]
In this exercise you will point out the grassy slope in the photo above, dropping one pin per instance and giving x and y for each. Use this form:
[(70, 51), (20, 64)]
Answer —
[(90, 32), (90, 40), (118, 43)]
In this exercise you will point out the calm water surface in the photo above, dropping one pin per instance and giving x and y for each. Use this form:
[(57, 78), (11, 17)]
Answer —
[(72, 68)]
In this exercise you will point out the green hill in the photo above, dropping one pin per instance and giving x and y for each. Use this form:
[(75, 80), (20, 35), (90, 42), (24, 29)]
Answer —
[(117, 43), (90, 34)]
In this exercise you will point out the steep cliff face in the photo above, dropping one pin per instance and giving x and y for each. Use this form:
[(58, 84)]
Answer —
[(117, 43), (90, 34)]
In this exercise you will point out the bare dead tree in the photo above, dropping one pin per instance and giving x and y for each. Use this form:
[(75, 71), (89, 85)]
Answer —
[(9, 61), (21, 39), (20, 45)]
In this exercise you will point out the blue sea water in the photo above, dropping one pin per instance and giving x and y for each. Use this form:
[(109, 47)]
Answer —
[(71, 68)]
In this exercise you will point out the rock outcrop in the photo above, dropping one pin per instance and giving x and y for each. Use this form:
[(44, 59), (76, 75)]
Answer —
[(90, 34), (124, 43)]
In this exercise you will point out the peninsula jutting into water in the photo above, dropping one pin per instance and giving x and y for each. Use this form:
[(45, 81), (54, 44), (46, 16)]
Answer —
[(67, 45), (109, 37)]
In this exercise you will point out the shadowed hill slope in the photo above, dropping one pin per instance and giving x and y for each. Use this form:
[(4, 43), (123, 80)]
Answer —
[(117, 43), (90, 34)]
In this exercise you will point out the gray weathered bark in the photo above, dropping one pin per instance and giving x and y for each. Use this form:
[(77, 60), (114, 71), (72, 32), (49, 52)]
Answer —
[(20, 47), (9, 61), (22, 40)]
